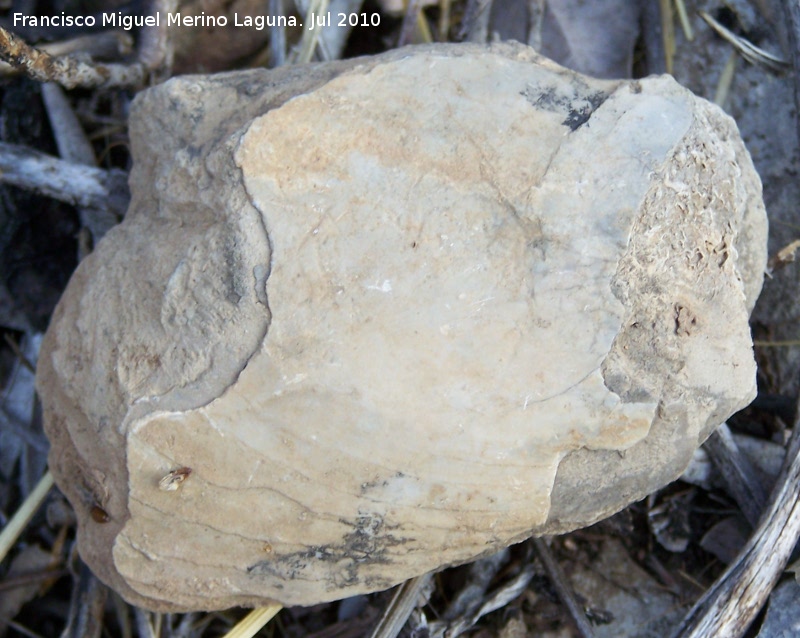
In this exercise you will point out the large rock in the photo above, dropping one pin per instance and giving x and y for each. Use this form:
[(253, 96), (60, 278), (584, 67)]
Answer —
[(395, 313)]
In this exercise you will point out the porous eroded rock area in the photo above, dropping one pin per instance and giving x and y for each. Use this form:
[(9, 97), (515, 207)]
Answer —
[(395, 313)]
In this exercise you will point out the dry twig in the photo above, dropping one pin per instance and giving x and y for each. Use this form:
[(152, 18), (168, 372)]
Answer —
[(536, 10), (475, 23), (66, 71), (563, 589), (83, 186), (252, 623), (86, 607), (747, 49), (732, 603), (481, 574), (277, 34), (725, 80), (156, 52), (310, 38), (791, 13), (410, 20), (737, 472), (105, 45), (485, 604), (400, 608), (668, 33), (683, 16), (154, 56), (24, 514), (74, 146)]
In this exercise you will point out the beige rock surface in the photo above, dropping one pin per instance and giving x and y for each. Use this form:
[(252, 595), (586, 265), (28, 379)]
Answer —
[(395, 313)]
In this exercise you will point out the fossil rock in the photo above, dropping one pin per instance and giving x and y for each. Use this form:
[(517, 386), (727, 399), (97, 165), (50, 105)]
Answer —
[(368, 318)]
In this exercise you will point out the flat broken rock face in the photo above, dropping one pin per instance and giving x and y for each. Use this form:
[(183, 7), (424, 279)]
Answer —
[(395, 313)]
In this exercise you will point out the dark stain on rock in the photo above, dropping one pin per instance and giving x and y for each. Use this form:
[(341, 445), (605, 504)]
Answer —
[(367, 542), (577, 117), (578, 106), (377, 482)]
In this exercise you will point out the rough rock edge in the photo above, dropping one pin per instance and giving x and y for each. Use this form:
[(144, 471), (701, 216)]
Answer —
[(597, 470)]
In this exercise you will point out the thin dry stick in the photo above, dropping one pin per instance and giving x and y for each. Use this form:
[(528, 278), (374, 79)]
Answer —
[(726, 80), (444, 20), (791, 13), (252, 623), (308, 41), (83, 186), (71, 140), (535, 20), (18, 353), (747, 49), (505, 594), (475, 24), (563, 589), (732, 603), (23, 515), (144, 623), (400, 608), (122, 615), (86, 606), (737, 472), (48, 574), (103, 45), (683, 16), (68, 72), (480, 575), (496, 599), (21, 629), (74, 146), (410, 20), (423, 29), (668, 33), (108, 44), (155, 52), (15, 426), (277, 34), (189, 625)]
